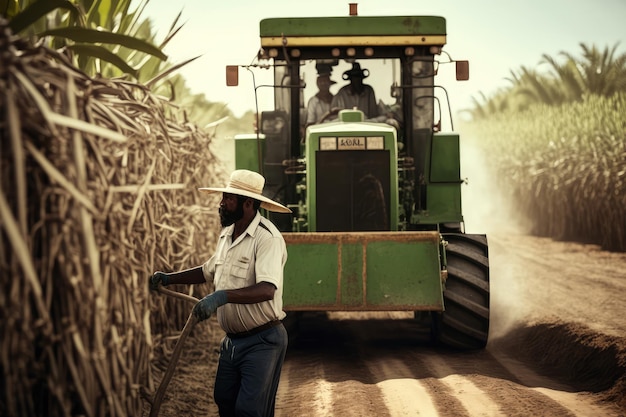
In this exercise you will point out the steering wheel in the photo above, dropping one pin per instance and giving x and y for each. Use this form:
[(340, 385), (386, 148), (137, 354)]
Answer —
[(332, 113)]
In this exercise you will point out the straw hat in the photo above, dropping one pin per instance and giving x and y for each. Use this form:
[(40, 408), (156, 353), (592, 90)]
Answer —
[(249, 184)]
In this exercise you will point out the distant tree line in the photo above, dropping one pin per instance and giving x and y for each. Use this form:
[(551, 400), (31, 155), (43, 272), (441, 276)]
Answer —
[(595, 72)]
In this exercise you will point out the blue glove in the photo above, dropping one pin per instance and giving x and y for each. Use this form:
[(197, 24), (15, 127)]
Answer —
[(158, 278), (209, 304)]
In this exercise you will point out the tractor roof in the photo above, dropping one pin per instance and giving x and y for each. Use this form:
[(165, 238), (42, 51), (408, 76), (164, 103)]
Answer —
[(353, 30)]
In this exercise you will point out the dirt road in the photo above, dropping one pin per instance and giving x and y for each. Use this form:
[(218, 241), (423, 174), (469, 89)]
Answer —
[(553, 305), (396, 375), (557, 341), (557, 347)]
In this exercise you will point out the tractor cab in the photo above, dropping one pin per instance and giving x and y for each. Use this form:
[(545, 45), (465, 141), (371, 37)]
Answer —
[(384, 67)]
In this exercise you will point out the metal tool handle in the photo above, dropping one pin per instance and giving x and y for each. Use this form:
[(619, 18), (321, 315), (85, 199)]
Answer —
[(177, 294)]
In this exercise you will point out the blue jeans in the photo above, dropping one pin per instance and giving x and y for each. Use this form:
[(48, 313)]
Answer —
[(248, 373)]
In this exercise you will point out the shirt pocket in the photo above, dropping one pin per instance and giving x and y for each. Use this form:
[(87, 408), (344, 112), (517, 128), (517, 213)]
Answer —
[(239, 271), (219, 270)]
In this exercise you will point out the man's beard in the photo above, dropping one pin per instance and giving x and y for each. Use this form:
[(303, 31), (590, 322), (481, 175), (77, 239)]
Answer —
[(229, 217)]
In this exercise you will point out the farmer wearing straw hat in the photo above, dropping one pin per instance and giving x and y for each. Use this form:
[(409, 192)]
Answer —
[(247, 271)]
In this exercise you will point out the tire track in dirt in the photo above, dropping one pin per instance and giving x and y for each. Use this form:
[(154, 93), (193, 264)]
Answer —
[(366, 368), (448, 383), (324, 376), (302, 376), (474, 400), (396, 383), (487, 387)]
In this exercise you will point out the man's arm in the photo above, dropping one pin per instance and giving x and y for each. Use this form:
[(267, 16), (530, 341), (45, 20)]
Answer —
[(372, 105), (310, 112), (338, 100), (262, 291), (188, 276)]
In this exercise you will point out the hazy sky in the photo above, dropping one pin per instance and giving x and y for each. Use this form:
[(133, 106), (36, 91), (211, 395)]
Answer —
[(496, 36)]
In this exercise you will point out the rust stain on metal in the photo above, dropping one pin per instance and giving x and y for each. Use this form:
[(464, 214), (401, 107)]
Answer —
[(339, 272), (362, 239), (412, 24), (364, 274), (301, 238), (364, 308)]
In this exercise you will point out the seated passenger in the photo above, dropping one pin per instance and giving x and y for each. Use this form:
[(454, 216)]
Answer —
[(319, 104), (357, 94)]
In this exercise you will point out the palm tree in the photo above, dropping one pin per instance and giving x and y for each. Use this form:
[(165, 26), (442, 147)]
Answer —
[(110, 39), (596, 72), (534, 87), (102, 37)]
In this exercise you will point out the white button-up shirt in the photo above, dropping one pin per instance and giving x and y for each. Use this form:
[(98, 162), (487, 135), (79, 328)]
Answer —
[(257, 255)]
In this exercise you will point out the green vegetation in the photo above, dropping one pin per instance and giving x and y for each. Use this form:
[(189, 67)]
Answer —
[(110, 39), (596, 72), (101, 37), (557, 146)]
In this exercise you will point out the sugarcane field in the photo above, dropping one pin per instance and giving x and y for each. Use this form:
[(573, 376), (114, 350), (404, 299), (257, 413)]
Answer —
[(398, 300)]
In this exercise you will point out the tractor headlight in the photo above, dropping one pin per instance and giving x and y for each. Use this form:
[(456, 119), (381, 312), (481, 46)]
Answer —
[(328, 143), (375, 142)]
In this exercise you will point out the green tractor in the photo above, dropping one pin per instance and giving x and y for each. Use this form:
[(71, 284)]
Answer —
[(375, 193)]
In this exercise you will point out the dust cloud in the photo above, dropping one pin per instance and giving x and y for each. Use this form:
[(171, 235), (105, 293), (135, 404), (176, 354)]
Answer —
[(486, 211), (223, 147)]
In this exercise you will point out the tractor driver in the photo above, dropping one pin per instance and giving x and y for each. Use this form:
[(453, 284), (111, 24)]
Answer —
[(357, 94), (319, 104)]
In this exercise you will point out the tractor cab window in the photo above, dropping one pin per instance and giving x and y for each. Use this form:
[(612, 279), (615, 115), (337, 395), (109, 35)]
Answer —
[(421, 79), (391, 90), (362, 84)]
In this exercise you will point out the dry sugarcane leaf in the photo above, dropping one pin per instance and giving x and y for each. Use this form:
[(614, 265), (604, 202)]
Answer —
[(18, 158), (93, 254), (58, 177), (140, 195), (22, 253), (59, 119), (120, 340), (137, 188)]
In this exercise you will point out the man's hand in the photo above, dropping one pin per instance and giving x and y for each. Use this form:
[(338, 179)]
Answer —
[(158, 278), (393, 122), (209, 304)]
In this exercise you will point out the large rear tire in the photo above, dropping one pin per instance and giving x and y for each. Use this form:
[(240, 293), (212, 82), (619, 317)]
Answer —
[(465, 322)]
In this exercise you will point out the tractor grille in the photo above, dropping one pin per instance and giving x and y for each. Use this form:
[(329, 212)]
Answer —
[(353, 189)]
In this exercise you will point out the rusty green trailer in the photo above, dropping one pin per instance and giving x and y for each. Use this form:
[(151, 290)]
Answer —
[(367, 271)]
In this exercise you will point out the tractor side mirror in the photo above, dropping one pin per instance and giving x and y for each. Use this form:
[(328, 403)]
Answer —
[(462, 70), (232, 75), (396, 91)]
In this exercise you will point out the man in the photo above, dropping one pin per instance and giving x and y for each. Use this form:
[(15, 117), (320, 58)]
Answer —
[(319, 104), (247, 271), (356, 94)]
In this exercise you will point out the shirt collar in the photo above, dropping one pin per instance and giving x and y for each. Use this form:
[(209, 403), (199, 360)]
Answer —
[(251, 229)]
